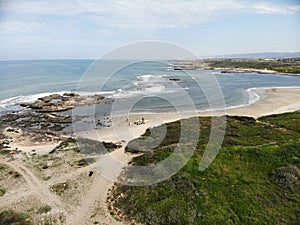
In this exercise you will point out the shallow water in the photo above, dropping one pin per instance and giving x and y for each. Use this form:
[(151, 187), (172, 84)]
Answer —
[(140, 87)]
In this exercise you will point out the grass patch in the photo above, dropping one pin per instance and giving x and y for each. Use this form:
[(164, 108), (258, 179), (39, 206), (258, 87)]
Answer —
[(86, 146), (44, 209)]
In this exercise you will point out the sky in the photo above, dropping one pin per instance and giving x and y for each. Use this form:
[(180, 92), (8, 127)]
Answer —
[(87, 29)]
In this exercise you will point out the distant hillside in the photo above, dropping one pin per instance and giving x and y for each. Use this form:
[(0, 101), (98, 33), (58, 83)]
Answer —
[(277, 55)]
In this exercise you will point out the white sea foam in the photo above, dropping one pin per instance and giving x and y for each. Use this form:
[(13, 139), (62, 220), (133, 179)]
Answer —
[(141, 91), (253, 96), (11, 104), (145, 85), (148, 77)]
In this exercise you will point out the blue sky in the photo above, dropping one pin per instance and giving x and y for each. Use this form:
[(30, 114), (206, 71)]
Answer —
[(49, 29)]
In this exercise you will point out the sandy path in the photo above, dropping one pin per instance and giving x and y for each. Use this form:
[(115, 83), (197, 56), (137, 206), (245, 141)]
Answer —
[(38, 149), (94, 198)]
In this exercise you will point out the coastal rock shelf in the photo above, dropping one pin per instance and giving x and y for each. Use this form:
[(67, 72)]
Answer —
[(58, 103), (44, 123), (34, 128)]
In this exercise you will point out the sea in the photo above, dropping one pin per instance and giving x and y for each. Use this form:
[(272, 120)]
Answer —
[(150, 86)]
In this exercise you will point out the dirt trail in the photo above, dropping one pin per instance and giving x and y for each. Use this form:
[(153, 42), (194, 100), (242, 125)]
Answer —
[(38, 188), (95, 197)]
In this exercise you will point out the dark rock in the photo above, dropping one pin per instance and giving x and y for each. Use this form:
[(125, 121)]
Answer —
[(72, 94), (174, 79)]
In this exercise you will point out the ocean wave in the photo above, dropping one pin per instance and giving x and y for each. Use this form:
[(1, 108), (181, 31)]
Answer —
[(140, 91), (147, 77), (146, 84)]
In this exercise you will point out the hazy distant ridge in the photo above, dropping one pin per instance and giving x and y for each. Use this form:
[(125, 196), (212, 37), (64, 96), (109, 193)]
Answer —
[(262, 55)]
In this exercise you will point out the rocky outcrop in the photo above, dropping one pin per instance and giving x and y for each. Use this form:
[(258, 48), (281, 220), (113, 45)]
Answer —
[(45, 123), (31, 127), (58, 103)]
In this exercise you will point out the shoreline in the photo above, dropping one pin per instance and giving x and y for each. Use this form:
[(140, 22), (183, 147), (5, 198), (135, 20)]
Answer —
[(252, 70), (276, 100), (270, 100)]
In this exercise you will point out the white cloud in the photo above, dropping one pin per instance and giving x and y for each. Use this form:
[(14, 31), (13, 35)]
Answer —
[(154, 14), (271, 8), (19, 26), (144, 13)]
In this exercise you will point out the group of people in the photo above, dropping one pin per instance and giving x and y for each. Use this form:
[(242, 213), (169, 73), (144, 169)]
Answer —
[(139, 122)]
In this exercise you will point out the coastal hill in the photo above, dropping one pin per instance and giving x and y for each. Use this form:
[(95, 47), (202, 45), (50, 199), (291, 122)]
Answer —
[(255, 178), (284, 66)]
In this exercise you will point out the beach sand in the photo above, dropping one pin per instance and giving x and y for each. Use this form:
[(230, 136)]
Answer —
[(275, 101)]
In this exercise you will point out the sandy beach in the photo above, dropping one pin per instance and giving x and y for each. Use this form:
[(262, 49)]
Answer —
[(274, 101), (93, 198)]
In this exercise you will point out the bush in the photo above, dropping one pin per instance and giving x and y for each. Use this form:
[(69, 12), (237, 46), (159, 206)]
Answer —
[(13, 218), (44, 209)]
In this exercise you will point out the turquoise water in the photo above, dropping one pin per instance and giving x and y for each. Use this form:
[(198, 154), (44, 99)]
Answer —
[(148, 83)]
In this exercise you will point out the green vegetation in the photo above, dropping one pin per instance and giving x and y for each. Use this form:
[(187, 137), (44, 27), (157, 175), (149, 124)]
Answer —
[(85, 146), (2, 192), (280, 65), (4, 151), (13, 218), (255, 178), (44, 209)]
